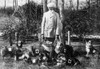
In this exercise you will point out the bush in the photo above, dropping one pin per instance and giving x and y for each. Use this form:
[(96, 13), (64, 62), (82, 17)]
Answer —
[(82, 22), (8, 11), (29, 19)]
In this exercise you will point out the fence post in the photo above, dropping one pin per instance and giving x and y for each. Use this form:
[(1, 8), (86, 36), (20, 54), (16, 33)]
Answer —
[(69, 40)]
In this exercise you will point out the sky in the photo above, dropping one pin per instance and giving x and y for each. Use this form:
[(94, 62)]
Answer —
[(9, 3)]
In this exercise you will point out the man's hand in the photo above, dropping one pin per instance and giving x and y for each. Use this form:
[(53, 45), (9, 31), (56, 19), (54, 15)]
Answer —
[(57, 37), (42, 37)]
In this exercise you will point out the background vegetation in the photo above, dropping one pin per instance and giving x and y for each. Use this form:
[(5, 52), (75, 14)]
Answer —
[(26, 20)]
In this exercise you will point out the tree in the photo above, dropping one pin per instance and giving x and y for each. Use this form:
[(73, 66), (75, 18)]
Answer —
[(5, 3), (57, 3), (22, 15), (77, 4), (62, 20), (44, 5)]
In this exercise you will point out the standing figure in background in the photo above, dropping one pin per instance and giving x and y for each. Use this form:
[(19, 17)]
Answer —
[(51, 27), (89, 48)]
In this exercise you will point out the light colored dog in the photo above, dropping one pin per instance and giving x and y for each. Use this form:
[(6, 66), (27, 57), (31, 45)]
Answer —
[(89, 48)]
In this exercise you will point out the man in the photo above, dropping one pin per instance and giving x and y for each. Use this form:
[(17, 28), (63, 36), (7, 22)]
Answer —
[(51, 27)]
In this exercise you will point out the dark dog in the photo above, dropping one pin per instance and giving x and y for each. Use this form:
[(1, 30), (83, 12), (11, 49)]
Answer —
[(15, 51), (19, 53), (68, 54), (31, 54), (8, 52)]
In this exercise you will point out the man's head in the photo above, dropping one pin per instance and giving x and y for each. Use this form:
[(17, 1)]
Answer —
[(51, 6), (90, 41)]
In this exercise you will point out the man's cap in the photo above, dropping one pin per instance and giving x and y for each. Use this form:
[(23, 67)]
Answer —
[(19, 41), (51, 5)]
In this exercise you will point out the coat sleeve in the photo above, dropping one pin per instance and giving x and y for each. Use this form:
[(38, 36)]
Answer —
[(59, 26), (43, 24)]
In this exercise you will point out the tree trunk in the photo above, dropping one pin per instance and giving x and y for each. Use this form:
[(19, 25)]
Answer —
[(77, 4), (4, 4), (44, 5), (62, 20), (16, 37), (57, 3), (13, 4), (71, 4), (16, 4), (88, 3)]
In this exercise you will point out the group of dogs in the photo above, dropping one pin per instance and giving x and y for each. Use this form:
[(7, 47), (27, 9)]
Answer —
[(62, 54)]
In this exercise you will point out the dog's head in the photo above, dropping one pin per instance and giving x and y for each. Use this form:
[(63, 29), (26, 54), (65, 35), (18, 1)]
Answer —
[(37, 51), (9, 49), (19, 44), (61, 58), (58, 47)]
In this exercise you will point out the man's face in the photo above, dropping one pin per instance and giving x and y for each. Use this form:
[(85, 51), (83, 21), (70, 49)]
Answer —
[(19, 43), (51, 8)]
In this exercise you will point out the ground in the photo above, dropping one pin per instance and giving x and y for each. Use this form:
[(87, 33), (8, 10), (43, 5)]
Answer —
[(8, 63)]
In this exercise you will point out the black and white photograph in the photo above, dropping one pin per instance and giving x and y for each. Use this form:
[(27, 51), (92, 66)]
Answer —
[(49, 34)]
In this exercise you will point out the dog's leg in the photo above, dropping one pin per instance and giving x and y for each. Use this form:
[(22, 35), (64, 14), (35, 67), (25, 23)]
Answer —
[(15, 58), (87, 55), (87, 52)]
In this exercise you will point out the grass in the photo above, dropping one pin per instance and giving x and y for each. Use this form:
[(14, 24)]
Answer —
[(92, 63)]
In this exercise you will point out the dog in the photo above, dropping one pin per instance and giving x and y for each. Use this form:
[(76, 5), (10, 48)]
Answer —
[(19, 54), (66, 54), (15, 51), (8, 51), (31, 55), (90, 49)]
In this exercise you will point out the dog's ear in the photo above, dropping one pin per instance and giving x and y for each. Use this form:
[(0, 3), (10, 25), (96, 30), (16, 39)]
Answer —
[(5, 46), (61, 44)]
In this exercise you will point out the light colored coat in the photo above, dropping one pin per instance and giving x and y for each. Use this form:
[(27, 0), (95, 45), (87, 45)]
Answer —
[(51, 27)]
